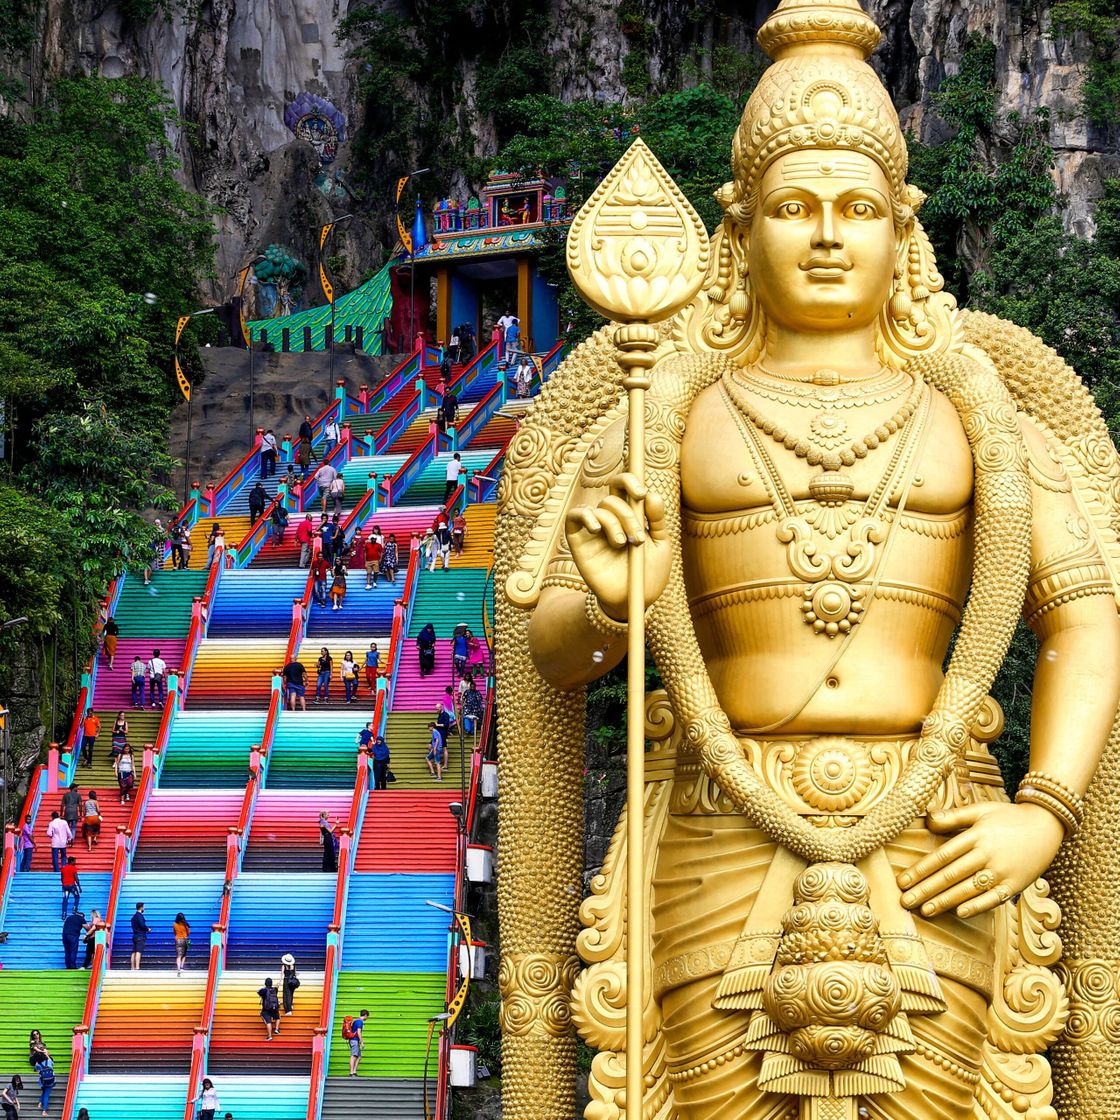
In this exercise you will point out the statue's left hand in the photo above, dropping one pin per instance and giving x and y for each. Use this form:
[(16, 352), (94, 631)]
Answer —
[(1001, 850)]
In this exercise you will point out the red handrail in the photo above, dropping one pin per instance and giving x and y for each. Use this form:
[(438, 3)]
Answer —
[(430, 447), (34, 796)]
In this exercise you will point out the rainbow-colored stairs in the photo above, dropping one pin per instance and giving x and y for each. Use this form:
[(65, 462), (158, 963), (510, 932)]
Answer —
[(224, 827)]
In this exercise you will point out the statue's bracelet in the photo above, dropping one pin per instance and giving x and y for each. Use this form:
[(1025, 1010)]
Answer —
[(600, 620), (1040, 789)]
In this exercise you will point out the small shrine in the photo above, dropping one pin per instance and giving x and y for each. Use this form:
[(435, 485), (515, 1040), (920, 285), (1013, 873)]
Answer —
[(479, 261)]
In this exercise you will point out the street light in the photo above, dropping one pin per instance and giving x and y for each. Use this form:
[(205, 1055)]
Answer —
[(185, 389), (328, 288), (242, 277)]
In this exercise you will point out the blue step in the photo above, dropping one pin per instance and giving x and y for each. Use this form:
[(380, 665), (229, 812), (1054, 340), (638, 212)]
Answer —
[(197, 894), (389, 926), (363, 612), (147, 1096), (274, 914), (256, 602), (33, 920), (263, 1098), (239, 503)]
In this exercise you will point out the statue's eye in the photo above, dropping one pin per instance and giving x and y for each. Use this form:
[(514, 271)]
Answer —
[(792, 210), (860, 211)]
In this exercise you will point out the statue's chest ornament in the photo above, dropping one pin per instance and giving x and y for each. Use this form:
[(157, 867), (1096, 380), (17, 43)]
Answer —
[(832, 544)]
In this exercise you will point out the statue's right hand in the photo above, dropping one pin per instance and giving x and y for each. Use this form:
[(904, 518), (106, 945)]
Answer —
[(601, 537)]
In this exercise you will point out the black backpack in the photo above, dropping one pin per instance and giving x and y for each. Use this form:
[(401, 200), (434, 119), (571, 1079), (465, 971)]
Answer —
[(270, 1001)]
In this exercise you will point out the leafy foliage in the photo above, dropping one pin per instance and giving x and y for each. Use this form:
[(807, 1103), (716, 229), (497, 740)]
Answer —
[(100, 249), (1099, 21)]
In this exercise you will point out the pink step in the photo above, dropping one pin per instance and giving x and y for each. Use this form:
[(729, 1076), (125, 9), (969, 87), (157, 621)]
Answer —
[(114, 686), (414, 693)]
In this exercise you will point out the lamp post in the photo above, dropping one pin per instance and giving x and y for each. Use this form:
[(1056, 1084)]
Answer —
[(328, 289), (185, 389), (248, 333)]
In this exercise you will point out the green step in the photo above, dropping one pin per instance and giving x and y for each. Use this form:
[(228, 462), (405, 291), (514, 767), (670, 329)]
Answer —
[(400, 1004), (408, 737), (211, 749), (446, 598), (51, 1002), (162, 610)]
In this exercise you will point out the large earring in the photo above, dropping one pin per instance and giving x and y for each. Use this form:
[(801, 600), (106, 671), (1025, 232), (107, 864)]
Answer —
[(740, 305), (718, 291), (901, 304)]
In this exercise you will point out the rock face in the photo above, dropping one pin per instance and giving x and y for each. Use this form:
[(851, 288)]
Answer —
[(232, 67)]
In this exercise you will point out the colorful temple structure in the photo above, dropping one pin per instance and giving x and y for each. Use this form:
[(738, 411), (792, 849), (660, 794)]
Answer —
[(480, 261)]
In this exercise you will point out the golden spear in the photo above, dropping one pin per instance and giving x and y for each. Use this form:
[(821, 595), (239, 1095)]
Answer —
[(637, 253)]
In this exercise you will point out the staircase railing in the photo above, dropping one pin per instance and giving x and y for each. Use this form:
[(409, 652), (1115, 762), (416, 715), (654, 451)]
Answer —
[(31, 803), (485, 481), (405, 373), (482, 414), (396, 485), (201, 610), (200, 1044)]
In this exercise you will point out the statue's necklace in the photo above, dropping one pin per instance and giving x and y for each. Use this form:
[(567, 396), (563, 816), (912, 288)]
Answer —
[(821, 392), (824, 487)]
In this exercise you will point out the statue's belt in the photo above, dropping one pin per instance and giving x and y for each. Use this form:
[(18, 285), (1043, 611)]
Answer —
[(831, 779)]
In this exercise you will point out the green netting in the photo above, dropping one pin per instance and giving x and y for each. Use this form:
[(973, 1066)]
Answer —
[(367, 306)]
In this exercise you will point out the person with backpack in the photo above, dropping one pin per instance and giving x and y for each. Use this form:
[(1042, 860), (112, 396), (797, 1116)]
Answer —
[(72, 928), (349, 673), (45, 1070), (157, 686), (448, 410), (268, 454), (175, 541), (289, 980), (137, 670), (208, 1103), (332, 435), (71, 888), (258, 499), (278, 521), (270, 1008), (352, 1031)]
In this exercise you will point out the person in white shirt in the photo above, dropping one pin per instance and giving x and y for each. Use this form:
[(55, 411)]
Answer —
[(324, 476), (454, 469), (268, 454), (157, 680), (60, 836), (333, 435)]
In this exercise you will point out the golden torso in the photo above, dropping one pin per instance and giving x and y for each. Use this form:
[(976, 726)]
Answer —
[(770, 668)]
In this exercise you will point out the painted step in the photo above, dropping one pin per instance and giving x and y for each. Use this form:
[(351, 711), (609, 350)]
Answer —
[(51, 1002), (284, 834), (316, 749), (261, 1097), (408, 737), (211, 748), (235, 672), (387, 1098), (448, 598), (113, 688), (408, 830), (400, 1005), (33, 918), (356, 645), (415, 693), (429, 486), (146, 1021), (235, 527), (255, 602), (363, 612), (187, 830), (195, 894), (160, 610), (478, 537), (276, 913), (142, 1096), (238, 1042), (238, 503), (379, 907)]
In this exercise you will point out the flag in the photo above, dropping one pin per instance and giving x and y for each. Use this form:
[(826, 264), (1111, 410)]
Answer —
[(328, 287), (419, 230), (184, 384)]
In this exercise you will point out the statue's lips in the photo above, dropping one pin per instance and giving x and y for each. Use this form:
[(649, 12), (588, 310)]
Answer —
[(825, 268)]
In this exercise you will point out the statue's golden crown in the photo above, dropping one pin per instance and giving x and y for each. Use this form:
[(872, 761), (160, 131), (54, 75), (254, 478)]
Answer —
[(818, 93)]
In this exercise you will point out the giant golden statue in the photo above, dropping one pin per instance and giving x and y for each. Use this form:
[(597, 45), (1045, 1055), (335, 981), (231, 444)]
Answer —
[(832, 500)]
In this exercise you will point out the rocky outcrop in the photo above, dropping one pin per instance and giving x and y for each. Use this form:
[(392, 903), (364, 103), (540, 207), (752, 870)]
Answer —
[(232, 67)]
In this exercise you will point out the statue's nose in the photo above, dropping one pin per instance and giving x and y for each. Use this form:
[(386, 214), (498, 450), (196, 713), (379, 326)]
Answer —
[(826, 236)]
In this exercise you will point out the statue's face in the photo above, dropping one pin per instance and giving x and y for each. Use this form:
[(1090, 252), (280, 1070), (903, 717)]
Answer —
[(823, 246)]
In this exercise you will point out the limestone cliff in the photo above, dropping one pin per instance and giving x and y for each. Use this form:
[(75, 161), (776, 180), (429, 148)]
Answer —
[(233, 67)]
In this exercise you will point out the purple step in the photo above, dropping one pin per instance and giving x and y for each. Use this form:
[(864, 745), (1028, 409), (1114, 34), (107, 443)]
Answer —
[(114, 686)]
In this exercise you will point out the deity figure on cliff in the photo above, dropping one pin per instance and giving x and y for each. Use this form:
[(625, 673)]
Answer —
[(853, 493)]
